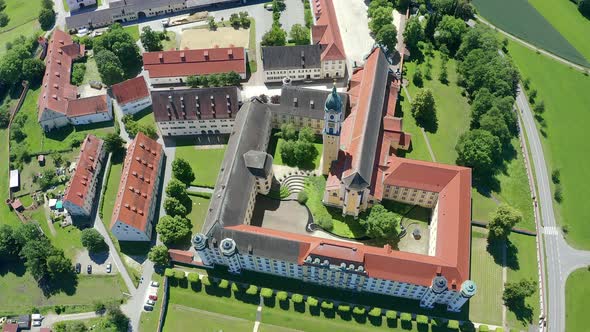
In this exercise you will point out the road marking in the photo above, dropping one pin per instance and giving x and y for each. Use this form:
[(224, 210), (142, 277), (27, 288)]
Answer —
[(551, 230)]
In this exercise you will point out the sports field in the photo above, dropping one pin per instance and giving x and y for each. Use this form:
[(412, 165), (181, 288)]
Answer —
[(520, 18), (567, 138)]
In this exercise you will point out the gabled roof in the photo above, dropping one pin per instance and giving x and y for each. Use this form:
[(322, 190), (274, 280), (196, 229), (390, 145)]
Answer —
[(291, 57), (87, 106), (326, 31), (138, 180), (305, 102), (131, 90), (195, 62), (199, 104), (86, 169)]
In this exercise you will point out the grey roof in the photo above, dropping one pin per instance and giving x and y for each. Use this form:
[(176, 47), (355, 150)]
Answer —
[(214, 103), (305, 98), (258, 162), (291, 57), (232, 191), (362, 176)]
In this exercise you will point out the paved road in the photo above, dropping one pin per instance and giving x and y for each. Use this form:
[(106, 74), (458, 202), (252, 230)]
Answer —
[(60, 14), (533, 47), (561, 258)]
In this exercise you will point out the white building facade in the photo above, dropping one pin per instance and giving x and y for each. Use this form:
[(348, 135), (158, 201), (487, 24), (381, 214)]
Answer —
[(135, 106), (80, 4)]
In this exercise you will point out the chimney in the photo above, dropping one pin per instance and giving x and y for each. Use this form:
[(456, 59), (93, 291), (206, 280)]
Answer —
[(182, 57), (295, 102), (161, 57), (206, 55), (311, 104), (230, 53)]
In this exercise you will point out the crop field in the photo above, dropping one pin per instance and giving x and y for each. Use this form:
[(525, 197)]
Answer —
[(521, 19)]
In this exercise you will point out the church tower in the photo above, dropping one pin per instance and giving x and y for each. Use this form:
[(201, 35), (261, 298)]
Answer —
[(333, 117)]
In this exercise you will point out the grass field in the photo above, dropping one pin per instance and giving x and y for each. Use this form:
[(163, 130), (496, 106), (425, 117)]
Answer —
[(110, 195), (22, 21), (20, 292), (91, 73), (486, 306), (453, 114), (577, 300), (520, 18), (198, 213), (171, 43), (6, 216), (205, 163), (277, 160), (566, 18), (566, 116), (145, 117), (133, 30)]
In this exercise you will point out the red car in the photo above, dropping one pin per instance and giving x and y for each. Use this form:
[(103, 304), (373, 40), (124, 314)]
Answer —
[(153, 297)]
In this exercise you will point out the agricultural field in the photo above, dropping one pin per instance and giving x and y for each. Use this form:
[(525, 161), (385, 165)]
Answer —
[(22, 21), (566, 18), (565, 134), (521, 19), (577, 295)]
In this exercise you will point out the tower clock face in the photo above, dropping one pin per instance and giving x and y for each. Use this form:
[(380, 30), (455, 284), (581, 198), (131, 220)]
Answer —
[(331, 117)]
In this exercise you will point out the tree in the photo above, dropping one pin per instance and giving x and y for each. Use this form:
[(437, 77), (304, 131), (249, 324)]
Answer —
[(288, 132), (480, 150), (174, 208), (417, 77), (109, 67), (212, 24), (391, 314), (424, 109), (173, 229), (182, 170), (223, 284), (421, 319), (9, 246), (556, 176), (381, 17), (206, 281), (46, 18), (343, 308), (494, 122), (193, 81), (413, 33), (443, 76), (3, 19), (266, 292), (406, 317), (297, 298), (24, 233), (274, 37), (11, 64), (312, 301), (327, 305), (78, 72), (47, 4), (175, 188), (359, 311), (150, 39), (302, 197), (4, 116), (113, 143), (516, 292), (502, 221), (193, 277), (2, 5), (306, 134), (159, 255), (116, 320), (584, 7), (299, 34), (48, 178), (123, 46), (482, 102), (453, 324), (58, 264), (234, 20), (169, 272), (376, 4), (282, 295), (449, 32), (382, 224), (179, 274), (252, 290), (93, 240), (539, 107), (387, 36), (245, 20), (35, 254)]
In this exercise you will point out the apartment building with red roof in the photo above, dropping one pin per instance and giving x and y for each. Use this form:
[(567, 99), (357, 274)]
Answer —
[(132, 95), (81, 190), (174, 67), (135, 205), (58, 104)]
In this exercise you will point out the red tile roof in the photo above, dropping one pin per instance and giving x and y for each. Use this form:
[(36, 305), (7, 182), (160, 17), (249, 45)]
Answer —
[(326, 31), (131, 90), (10, 327), (136, 189), (87, 106), (45, 329), (181, 256), (56, 89), (86, 168), (195, 62)]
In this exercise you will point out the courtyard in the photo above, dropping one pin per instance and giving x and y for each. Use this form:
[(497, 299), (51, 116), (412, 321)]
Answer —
[(204, 158), (198, 38)]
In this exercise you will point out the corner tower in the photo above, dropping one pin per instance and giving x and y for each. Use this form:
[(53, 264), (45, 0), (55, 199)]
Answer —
[(332, 126)]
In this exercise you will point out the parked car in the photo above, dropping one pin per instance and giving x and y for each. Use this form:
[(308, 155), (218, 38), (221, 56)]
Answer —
[(148, 307), (78, 268), (165, 21), (89, 269), (36, 323), (153, 297), (268, 6), (109, 268), (155, 284), (150, 302)]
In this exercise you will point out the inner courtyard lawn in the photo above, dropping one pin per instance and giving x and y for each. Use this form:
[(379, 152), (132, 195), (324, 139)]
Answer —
[(566, 116), (22, 21), (133, 30), (577, 300), (145, 117), (198, 212), (275, 150), (454, 114), (204, 162)]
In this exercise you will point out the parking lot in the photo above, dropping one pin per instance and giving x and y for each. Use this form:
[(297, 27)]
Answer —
[(98, 262)]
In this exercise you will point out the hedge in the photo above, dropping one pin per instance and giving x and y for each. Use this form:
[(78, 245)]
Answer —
[(282, 295), (421, 319), (223, 284), (406, 317), (297, 298), (391, 314), (358, 310), (252, 290), (312, 301), (327, 305), (169, 273), (206, 281), (499, 329), (344, 308), (193, 277), (266, 293), (234, 287), (453, 324), (375, 312), (484, 328), (178, 274)]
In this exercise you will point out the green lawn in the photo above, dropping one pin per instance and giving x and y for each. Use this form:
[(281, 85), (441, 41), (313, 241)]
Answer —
[(198, 213), (520, 18), (171, 43), (179, 317), (145, 117), (205, 163), (453, 114), (112, 187), (20, 292), (522, 263), (6, 216), (486, 306), (275, 147), (566, 116), (22, 21), (91, 73), (577, 300), (133, 30), (29, 170), (566, 18)]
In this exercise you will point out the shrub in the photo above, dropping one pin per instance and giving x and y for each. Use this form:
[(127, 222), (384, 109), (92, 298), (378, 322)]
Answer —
[(421, 319), (375, 312), (169, 273), (343, 308), (556, 176), (266, 292), (223, 284), (391, 314), (297, 298), (312, 301), (325, 222), (179, 274), (205, 280), (483, 328), (282, 295), (234, 287), (327, 305), (406, 317), (453, 324), (193, 277), (252, 290), (499, 329), (358, 310), (558, 195), (302, 197)]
